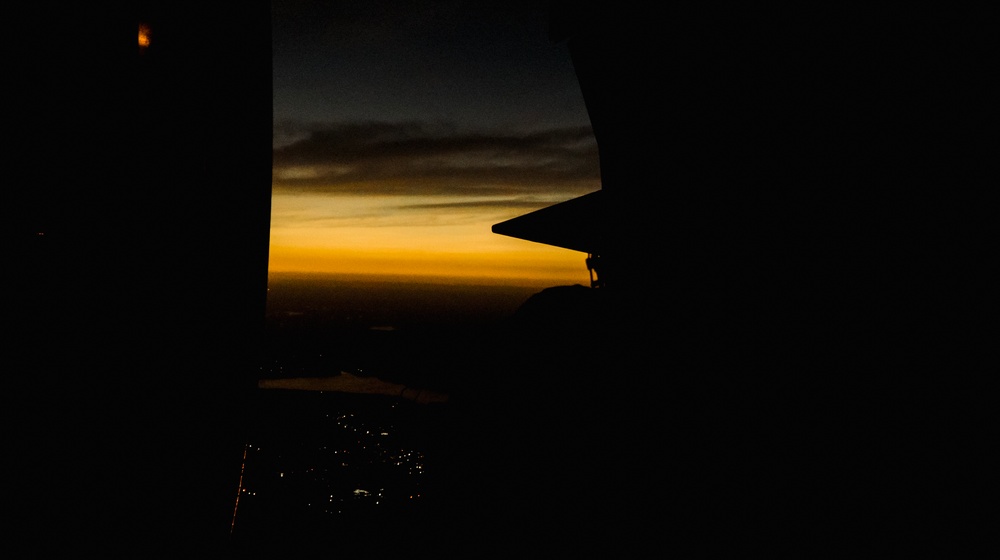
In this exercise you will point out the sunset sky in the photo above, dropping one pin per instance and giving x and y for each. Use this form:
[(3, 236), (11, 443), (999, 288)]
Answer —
[(404, 130)]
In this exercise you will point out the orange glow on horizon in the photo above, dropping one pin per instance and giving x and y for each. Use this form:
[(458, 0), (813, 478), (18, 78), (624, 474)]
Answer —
[(536, 266), (388, 236)]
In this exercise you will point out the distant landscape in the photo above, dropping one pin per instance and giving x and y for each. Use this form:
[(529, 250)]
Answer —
[(389, 302), (416, 332)]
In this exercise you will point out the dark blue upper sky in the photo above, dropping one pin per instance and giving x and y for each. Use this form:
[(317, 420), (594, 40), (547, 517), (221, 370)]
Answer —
[(481, 65)]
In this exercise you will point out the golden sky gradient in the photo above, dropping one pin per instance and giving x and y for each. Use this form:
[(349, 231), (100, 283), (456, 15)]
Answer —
[(419, 200), (347, 234), (402, 136)]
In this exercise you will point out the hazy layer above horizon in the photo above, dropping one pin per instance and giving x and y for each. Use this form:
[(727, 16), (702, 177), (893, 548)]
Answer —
[(390, 302)]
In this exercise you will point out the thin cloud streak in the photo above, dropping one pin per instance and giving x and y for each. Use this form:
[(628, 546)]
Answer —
[(530, 203), (421, 159), (332, 211)]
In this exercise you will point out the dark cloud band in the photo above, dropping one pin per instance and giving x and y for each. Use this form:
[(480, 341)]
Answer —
[(425, 159)]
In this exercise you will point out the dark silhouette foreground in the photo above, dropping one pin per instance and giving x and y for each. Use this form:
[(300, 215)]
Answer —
[(793, 265)]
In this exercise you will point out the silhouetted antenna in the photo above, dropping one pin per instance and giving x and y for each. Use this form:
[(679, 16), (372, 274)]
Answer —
[(593, 260)]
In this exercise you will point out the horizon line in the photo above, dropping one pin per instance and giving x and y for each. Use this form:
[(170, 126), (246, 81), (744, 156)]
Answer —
[(438, 279)]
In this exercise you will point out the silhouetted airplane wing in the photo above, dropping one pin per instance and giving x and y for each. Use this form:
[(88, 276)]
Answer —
[(575, 224)]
